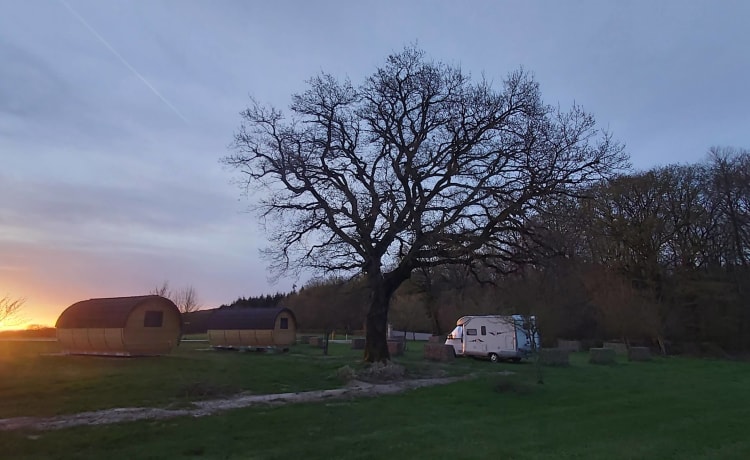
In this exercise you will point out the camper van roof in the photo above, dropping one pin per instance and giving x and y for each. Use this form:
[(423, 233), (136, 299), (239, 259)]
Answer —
[(467, 318)]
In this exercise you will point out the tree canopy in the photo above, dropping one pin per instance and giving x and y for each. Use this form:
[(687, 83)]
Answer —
[(418, 166)]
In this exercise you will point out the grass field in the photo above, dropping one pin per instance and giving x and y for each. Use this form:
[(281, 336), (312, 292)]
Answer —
[(36, 381), (669, 408)]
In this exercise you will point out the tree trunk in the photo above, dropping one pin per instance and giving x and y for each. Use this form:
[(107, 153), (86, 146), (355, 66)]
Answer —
[(376, 342), (382, 286), (433, 316)]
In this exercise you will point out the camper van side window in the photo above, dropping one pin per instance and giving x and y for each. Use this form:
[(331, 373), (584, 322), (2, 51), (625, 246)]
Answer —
[(153, 319), (284, 324), (484, 330), (471, 332)]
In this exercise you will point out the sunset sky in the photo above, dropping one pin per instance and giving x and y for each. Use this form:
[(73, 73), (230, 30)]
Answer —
[(114, 115)]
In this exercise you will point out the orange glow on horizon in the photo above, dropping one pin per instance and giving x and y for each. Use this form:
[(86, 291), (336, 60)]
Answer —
[(32, 314), (23, 321)]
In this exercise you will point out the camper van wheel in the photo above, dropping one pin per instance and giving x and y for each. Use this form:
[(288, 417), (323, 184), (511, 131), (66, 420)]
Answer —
[(494, 357)]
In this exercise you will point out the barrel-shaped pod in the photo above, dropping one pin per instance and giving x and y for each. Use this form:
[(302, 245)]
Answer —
[(153, 327), (233, 338), (285, 329), (113, 338), (92, 341), (252, 327), (80, 339), (262, 337), (216, 338), (121, 326), (96, 338), (64, 336), (249, 337)]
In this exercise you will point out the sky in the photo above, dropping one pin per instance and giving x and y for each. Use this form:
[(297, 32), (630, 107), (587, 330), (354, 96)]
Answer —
[(114, 115)]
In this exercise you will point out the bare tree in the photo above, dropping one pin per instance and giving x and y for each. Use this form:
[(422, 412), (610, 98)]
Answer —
[(730, 170), (162, 290), (186, 300), (9, 309), (417, 167)]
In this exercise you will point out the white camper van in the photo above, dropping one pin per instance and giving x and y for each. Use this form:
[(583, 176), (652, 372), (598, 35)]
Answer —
[(494, 337)]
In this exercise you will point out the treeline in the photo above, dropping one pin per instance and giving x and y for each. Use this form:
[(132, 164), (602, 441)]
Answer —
[(261, 301), (333, 304), (30, 332), (663, 253), (196, 322), (657, 257)]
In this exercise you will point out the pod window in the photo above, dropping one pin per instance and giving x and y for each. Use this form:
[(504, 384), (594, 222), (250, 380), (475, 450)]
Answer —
[(153, 319)]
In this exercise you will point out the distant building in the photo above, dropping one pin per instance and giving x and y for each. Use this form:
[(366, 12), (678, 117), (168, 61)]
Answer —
[(120, 326)]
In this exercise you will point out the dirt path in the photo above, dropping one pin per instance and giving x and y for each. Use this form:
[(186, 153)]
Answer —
[(355, 389)]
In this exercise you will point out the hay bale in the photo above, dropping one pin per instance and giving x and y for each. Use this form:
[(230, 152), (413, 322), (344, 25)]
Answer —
[(317, 342), (554, 357), (618, 347), (396, 347), (358, 344), (639, 354), (569, 345), (602, 356), (438, 352)]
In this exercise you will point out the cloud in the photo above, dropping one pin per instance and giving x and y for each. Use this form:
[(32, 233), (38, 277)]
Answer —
[(69, 209), (28, 85), (124, 61)]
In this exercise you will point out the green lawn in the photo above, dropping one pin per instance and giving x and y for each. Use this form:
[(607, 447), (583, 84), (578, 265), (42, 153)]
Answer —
[(669, 408), (36, 381)]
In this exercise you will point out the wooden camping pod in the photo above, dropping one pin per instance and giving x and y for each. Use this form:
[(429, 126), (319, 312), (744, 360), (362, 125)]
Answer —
[(120, 326), (252, 327)]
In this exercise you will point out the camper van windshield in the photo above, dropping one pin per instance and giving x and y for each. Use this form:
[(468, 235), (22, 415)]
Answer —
[(457, 333)]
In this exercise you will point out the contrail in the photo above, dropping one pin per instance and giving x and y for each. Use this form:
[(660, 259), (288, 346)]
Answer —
[(122, 59)]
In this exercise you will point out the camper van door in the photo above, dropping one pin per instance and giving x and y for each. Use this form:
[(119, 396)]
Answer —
[(455, 339)]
